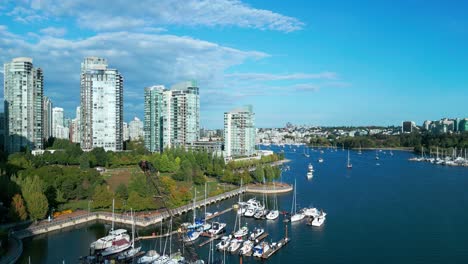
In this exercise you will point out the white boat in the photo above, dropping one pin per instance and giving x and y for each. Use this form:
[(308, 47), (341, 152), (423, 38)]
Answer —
[(225, 241), (243, 231), (114, 235), (320, 160), (349, 165), (311, 212), (260, 214), (117, 247), (246, 247), (162, 260), (217, 228), (261, 248), (134, 250), (149, 257), (234, 245), (295, 216), (311, 168), (318, 221), (191, 236), (272, 215), (256, 233), (309, 175), (249, 212), (206, 225)]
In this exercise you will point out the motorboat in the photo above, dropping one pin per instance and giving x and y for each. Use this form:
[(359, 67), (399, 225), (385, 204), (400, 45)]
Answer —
[(117, 247), (217, 228), (318, 221), (297, 217), (260, 249), (191, 236), (309, 175), (129, 254), (243, 231), (311, 212), (256, 233), (260, 214), (149, 257), (206, 226), (320, 160), (311, 168), (246, 247), (235, 245), (107, 241), (272, 215), (162, 260), (225, 241), (249, 212)]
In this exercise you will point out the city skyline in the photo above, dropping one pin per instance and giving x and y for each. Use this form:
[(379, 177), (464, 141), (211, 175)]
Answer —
[(285, 54)]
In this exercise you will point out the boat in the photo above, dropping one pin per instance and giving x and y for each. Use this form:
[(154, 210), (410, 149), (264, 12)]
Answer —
[(235, 245), (272, 215), (250, 212), (243, 231), (311, 212), (319, 220), (162, 260), (114, 235), (376, 155), (360, 151), (260, 214), (149, 257), (320, 160), (260, 249), (306, 154), (193, 233), (309, 175), (206, 225), (295, 216), (310, 171), (310, 167), (246, 247), (129, 254), (117, 247), (225, 241), (217, 228), (256, 233), (349, 165)]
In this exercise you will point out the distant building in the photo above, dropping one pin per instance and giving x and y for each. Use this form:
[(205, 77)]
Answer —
[(208, 146), (101, 105), (75, 126), (427, 124), (463, 125), (239, 132), (172, 117), (47, 118), (135, 129), (23, 97), (57, 122), (126, 135), (408, 126)]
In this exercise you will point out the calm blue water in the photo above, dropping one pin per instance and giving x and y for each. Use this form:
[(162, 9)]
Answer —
[(398, 212)]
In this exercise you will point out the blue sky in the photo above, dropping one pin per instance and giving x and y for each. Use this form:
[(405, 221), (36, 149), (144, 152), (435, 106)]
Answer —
[(308, 62)]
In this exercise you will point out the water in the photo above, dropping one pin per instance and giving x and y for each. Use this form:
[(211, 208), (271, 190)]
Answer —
[(398, 212)]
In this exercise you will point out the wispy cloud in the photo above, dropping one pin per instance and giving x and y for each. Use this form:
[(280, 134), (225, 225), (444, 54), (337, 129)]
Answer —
[(101, 15), (278, 77), (54, 31)]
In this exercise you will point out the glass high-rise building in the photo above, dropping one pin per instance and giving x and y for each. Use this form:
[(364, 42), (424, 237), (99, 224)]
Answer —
[(172, 116), (101, 105), (239, 132), (23, 98), (47, 117)]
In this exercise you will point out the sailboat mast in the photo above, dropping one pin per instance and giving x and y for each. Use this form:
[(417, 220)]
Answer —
[(205, 201), (194, 208), (113, 215)]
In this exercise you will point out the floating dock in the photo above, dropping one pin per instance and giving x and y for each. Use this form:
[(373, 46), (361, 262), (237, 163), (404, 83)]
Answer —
[(209, 240), (278, 246)]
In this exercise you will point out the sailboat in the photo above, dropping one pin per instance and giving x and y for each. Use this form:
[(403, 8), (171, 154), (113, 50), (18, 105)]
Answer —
[(114, 235), (310, 171), (243, 230), (193, 234), (360, 151), (306, 154), (295, 216), (349, 165), (273, 214), (376, 155), (133, 251), (206, 226)]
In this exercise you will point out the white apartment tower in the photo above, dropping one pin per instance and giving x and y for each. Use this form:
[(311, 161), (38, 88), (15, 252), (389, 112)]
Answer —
[(23, 99), (172, 117), (135, 129), (239, 132), (101, 105), (57, 122)]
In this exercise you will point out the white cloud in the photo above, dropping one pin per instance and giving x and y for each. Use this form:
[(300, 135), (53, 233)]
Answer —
[(101, 15), (278, 77), (54, 31), (146, 60)]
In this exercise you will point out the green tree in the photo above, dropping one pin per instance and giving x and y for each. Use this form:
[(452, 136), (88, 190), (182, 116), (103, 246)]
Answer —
[(84, 161), (102, 197), (259, 173), (121, 191), (18, 209), (37, 205)]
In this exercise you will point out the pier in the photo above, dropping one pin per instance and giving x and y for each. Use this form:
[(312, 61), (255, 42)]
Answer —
[(278, 246), (140, 221)]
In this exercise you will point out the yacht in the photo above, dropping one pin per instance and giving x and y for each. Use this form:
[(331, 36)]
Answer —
[(309, 175), (246, 247), (256, 233), (234, 245), (107, 241), (318, 221), (149, 257), (134, 250), (191, 236), (193, 233), (272, 215), (311, 212), (117, 247), (217, 228), (225, 241), (260, 249), (243, 231), (249, 212), (295, 216), (260, 214)]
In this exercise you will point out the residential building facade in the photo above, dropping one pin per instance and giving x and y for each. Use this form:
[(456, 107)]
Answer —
[(135, 129), (23, 99), (101, 105), (239, 132)]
